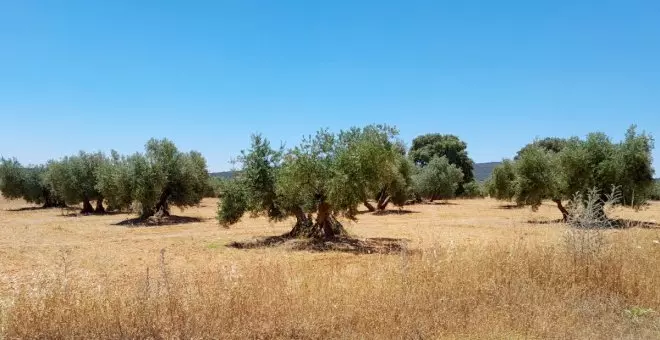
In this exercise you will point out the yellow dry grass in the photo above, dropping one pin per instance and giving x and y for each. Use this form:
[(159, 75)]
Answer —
[(472, 270)]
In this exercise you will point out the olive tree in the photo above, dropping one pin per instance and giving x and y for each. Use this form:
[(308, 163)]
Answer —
[(655, 194), (473, 189), (551, 144), (115, 181), (593, 164), (439, 179), (381, 160), (213, 187), (233, 201), (501, 183), (400, 188), (538, 177), (74, 179), (324, 176), (161, 177), (425, 147), (18, 182)]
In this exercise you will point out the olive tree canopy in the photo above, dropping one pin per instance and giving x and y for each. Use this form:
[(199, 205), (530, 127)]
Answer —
[(18, 182), (325, 175), (578, 166)]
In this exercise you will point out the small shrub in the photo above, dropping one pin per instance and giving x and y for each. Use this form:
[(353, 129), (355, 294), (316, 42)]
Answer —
[(588, 211), (473, 189), (233, 203)]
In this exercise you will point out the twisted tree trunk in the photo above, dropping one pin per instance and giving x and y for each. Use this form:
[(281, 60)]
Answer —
[(325, 227), (302, 226), (162, 208), (563, 210)]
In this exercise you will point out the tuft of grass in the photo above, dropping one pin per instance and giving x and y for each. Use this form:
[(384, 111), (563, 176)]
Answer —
[(636, 313), (212, 246)]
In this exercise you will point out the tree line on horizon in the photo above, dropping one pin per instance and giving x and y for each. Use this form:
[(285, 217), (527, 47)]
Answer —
[(330, 174)]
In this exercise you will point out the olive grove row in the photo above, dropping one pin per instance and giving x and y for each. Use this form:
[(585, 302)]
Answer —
[(330, 174)]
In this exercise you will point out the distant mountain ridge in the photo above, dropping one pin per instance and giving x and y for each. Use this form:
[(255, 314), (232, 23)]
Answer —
[(481, 171)]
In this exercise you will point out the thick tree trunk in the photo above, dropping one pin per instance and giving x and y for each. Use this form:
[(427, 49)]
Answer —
[(146, 213), (326, 225), (87, 207), (162, 208), (323, 220), (99, 206), (303, 224), (369, 206), (563, 210)]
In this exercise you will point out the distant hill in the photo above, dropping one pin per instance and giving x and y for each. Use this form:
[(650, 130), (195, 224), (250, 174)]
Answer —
[(223, 174), (483, 170)]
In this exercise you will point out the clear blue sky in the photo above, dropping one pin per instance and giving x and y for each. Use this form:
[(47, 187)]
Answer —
[(98, 75)]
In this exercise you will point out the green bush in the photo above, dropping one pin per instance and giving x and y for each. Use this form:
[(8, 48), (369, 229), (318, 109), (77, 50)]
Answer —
[(233, 203), (473, 189), (655, 195)]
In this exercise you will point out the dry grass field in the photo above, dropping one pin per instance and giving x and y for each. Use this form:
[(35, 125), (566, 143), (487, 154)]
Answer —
[(469, 269)]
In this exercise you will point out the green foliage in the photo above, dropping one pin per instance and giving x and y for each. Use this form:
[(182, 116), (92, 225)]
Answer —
[(400, 187), (161, 177), (341, 170), (18, 182), (74, 178), (633, 166), (439, 179), (115, 182), (473, 189), (551, 144), (502, 183), (374, 159), (536, 176), (233, 203), (148, 183), (425, 147), (213, 187), (313, 172), (254, 188), (259, 175), (597, 162), (557, 169), (13, 179), (655, 194), (326, 174)]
